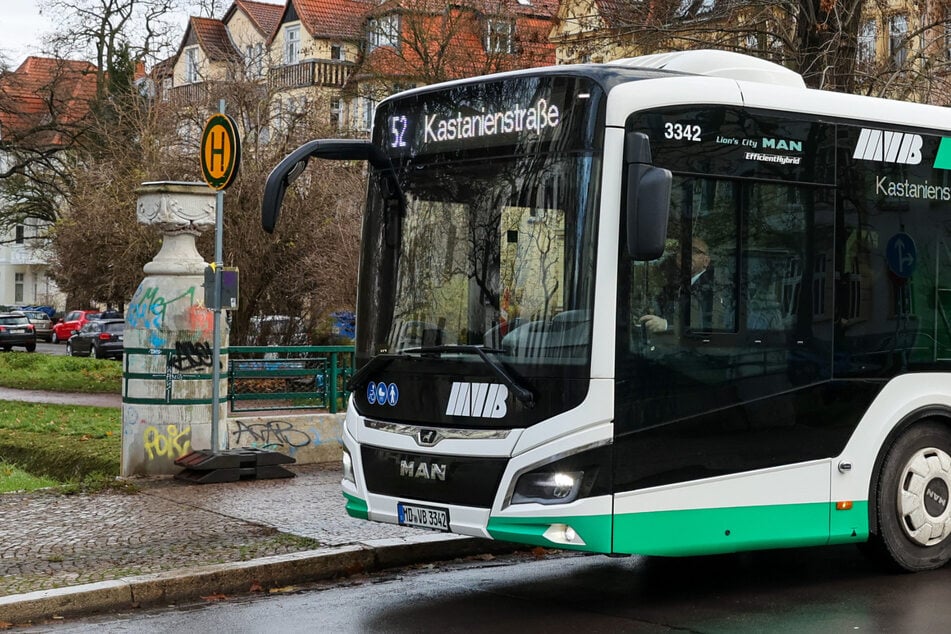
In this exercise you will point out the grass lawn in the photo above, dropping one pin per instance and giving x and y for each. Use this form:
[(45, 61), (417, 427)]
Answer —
[(43, 445), (32, 371)]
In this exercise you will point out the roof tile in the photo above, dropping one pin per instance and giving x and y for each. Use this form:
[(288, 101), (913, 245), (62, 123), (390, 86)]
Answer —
[(264, 16)]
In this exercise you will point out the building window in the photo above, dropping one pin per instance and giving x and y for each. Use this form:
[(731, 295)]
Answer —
[(254, 60), (865, 51), (20, 236), (191, 65), (336, 51), (292, 45), (18, 288), (500, 36), (384, 31), (362, 114), (898, 40), (335, 112)]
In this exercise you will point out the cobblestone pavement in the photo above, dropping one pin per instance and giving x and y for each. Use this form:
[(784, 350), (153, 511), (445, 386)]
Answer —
[(51, 541)]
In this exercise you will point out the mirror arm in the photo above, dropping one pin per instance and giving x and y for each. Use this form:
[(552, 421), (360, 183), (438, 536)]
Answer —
[(294, 163)]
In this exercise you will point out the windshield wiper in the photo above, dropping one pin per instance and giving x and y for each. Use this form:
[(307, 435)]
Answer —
[(523, 394)]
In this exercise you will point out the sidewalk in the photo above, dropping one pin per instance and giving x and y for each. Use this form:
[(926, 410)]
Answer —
[(173, 541)]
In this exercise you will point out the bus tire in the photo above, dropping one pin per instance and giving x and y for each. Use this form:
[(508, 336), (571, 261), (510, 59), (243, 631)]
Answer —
[(914, 514)]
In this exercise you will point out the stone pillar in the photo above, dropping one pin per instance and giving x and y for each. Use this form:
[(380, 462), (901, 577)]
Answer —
[(167, 386)]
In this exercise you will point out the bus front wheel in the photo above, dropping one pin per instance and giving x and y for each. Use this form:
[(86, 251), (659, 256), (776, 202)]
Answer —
[(914, 516)]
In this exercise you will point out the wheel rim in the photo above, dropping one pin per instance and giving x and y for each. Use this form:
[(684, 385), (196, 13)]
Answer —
[(923, 493)]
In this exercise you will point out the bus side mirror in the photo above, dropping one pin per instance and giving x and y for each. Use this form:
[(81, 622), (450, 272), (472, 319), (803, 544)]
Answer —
[(647, 204)]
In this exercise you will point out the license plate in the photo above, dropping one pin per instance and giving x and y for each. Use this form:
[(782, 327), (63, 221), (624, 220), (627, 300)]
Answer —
[(435, 519)]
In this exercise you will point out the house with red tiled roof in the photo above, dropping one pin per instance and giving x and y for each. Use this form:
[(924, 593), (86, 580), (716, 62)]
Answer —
[(206, 54), (43, 107), (313, 52), (251, 25), (297, 49), (43, 101), (342, 56)]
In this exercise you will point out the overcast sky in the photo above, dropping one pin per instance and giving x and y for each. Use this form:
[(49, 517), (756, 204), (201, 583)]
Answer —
[(22, 29)]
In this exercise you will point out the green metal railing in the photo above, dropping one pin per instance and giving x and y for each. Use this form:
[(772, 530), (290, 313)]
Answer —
[(265, 378)]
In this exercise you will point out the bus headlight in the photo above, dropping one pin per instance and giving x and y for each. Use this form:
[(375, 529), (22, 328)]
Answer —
[(348, 467), (553, 487), (575, 476)]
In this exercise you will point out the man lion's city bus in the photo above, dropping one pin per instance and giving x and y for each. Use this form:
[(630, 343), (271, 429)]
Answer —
[(671, 305)]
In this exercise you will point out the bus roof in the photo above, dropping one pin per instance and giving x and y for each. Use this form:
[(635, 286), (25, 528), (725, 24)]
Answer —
[(727, 78), (712, 63)]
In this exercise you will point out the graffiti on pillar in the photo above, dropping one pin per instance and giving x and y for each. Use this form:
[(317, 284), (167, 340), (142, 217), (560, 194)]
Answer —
[(270, 434), (171, 442), (201, 321), (189, 355), (148, 306)]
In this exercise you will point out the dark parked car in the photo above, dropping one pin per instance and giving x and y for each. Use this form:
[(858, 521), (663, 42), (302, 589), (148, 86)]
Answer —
[(101, 338), (42, 323), (16, 330)]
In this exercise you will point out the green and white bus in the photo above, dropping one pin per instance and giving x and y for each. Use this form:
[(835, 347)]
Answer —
[(671, 305)]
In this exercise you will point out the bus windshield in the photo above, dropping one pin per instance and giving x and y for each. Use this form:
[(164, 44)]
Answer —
[(497, 254)]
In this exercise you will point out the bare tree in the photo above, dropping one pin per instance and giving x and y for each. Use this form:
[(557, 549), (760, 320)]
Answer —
[(107, 31), (847, 46), (415, 42)]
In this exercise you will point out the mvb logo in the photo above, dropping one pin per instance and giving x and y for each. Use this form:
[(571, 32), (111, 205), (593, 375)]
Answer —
[(479, 400), (889, 147)]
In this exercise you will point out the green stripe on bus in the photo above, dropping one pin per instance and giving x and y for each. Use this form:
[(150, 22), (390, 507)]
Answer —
[(356, 507), (725, 530), (943, 159), (594, 530)]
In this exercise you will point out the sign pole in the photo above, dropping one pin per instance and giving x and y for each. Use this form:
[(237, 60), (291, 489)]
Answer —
[(216, 338), (216, 324)]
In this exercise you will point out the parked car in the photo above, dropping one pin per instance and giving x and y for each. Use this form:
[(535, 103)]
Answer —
[(72, 322), (42, 323), (101, 338), (16, 330), (277, 330)]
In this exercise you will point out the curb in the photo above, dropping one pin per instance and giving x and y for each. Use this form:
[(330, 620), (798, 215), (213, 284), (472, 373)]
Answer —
[(190, 584)]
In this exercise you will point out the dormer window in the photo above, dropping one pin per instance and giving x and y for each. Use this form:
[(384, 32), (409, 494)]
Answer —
[(292, 45), (191, 65), (500, 36), (384, 31)]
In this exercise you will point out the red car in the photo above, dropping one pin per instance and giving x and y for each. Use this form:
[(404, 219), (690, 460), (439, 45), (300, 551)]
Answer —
[(73, 321)]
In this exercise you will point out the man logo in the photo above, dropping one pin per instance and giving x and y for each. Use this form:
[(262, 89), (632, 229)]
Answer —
[(889, 147), (423, 470), (478, 400)]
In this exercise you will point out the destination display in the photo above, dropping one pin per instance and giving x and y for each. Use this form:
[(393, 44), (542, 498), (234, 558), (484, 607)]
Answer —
[(545, 113)]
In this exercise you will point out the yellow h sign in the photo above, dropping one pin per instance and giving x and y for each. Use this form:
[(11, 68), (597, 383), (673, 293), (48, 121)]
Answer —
[(220, 151)]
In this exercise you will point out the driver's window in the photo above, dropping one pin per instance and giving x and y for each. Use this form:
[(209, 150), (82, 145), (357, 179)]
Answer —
[(691, 288)]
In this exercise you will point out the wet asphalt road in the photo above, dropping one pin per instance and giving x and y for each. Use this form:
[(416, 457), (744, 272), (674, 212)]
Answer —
[(815, 590)]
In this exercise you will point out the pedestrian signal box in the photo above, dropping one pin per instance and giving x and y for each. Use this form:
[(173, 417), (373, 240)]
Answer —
[(229, 288)]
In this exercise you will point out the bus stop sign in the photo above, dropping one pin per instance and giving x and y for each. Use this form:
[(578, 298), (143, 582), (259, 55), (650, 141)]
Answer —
[(220, 151)]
